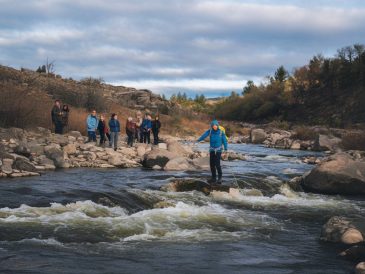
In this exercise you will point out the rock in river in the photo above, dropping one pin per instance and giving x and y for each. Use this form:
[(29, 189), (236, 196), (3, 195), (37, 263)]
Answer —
[(339, 175)]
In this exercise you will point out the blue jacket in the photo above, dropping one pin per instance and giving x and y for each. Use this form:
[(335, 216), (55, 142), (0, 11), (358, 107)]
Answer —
[(114, 125), (146, 124), (217, 138), (92, 123)]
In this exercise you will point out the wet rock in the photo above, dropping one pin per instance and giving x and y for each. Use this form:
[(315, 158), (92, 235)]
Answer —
[(55, 153), (341, 230), (360, 268), (191, 184), (325, 142), (233, 156), (354, 253), (179, 163), (295, 145), (352, 236), (158, 157), (6, 167), (177, 148), (339, 175), (22, 149), (201, 163), (24, 165), (295, 184), (258, 136), (163, 204)]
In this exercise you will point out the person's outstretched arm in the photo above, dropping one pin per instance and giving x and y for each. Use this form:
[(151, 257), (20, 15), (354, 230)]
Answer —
[(205, 135)]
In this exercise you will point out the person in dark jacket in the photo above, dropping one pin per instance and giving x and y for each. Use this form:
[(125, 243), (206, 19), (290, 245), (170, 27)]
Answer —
[(130, 130), (156, 125), (114, 126), (103, 130), (56, 115), (65, 115), (146, 129), (217, 139)]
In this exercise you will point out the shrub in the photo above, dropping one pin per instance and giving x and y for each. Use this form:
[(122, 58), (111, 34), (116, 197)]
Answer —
[(305, 133), (353, 141)]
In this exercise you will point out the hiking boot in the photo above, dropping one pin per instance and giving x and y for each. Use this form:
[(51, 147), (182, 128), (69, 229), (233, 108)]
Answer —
[(219, 181)]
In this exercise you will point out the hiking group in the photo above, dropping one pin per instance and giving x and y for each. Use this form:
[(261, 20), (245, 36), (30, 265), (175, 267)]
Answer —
[(137, 130)]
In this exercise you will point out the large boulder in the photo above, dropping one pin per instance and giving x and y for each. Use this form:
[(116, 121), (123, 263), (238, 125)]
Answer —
[(6, 167), (325, 142), (158, 157), (55, 153), (62, 140), (258, 136), (22, 149), (75, 134), (341, 230), (339, 175), (177, 148), (201, 163), (24, 165), (179, 163)]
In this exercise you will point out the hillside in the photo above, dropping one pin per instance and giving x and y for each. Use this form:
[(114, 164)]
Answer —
[(27, 97)]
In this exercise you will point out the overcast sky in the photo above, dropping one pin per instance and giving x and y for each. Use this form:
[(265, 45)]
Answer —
[(210, 47)]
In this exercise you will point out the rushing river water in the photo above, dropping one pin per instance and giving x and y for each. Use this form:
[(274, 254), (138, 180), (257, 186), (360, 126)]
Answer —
[(104, 221)]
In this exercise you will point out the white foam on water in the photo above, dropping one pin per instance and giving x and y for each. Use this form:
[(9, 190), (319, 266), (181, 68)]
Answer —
[(287, 198), (78, 221), (282, 159)]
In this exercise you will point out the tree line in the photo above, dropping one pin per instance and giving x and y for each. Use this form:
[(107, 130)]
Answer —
[(329, 91)]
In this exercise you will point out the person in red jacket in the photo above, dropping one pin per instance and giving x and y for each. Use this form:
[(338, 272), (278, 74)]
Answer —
[(130, 130)]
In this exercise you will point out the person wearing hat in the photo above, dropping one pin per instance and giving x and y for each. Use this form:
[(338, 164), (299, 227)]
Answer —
[(218, 139)]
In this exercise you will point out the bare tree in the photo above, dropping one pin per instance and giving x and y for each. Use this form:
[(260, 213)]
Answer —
[(50, 66)]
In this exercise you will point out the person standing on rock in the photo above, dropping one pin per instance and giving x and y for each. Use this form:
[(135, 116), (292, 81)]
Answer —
[(56, 115), (130, 130), (114, 126), (65, 115), (156, 125), (139, 133), (146, 129), (217, 139), (103, 130), (92, 126)]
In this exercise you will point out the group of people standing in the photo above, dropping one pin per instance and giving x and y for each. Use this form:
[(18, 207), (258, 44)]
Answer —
[(59, 117), (138, 129)]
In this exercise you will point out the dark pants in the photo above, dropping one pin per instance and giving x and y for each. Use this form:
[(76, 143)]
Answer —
[(130, 138), (141, 135), (215, 164), (155, 137), (92, 136), (58, 128), (147, 137), (103, 137)]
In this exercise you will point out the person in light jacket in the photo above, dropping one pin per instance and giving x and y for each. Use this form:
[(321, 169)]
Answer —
[(92, 125), (218, 139)]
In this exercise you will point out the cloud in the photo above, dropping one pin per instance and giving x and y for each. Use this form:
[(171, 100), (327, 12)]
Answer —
[(192, 45)]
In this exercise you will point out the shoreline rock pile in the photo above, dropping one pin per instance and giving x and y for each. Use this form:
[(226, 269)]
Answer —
[(30, 153)]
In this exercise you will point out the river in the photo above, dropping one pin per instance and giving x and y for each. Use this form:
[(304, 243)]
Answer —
[(104, 221)]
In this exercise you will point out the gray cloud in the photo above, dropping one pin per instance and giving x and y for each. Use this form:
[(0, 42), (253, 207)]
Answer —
[(191, 45)]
